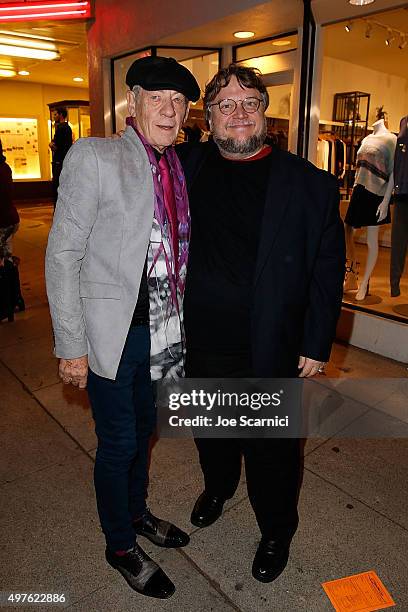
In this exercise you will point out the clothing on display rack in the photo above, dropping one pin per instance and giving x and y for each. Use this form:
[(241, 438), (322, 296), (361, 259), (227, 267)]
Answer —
[(331, 154), (399, 233), (279, 138)]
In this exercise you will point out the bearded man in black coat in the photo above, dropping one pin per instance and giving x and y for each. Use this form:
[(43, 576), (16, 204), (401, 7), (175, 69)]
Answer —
[(263, 293)]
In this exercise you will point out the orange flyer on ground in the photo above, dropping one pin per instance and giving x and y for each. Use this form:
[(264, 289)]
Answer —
[(359, 593)]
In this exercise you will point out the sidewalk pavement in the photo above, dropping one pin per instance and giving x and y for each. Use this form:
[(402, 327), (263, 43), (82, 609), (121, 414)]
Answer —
[(353, 505)]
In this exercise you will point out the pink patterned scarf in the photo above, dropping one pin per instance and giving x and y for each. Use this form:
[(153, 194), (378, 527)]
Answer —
[(182, 208)]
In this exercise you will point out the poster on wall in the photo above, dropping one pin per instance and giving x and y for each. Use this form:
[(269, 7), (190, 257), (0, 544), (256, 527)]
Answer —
[(19, 138)]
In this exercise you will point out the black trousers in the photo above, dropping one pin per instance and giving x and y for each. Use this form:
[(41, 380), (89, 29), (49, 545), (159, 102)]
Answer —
[(273, 466), (56, 171), (125, 417)]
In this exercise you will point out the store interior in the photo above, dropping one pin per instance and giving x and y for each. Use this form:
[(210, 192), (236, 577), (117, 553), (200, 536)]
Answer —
[(43, 64), (364, 79)]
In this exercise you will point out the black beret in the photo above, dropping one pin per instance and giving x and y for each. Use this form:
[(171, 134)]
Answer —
[(154, 73)]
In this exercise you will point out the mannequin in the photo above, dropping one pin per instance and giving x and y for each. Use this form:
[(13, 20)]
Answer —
[(399, 234), (369, 204)]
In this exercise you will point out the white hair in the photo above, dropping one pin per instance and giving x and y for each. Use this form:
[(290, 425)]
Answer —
[(136, 90)]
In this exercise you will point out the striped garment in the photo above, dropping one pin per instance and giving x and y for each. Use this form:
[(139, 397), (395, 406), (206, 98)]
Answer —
[(375, 162)]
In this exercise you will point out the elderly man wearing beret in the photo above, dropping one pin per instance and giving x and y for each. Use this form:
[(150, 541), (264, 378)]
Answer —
[(115, 270)]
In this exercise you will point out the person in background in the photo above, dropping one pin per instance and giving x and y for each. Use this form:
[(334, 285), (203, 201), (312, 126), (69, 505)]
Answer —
[(9, 217), (11, 299), (59, 145)]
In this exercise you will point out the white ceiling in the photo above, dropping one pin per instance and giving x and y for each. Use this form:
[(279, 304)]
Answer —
[(370, 52)]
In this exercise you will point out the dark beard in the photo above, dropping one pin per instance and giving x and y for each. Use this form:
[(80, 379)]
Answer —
[(241, 147)]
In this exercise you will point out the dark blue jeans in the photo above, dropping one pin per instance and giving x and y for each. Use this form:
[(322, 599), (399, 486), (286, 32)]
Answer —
[(125, 417)]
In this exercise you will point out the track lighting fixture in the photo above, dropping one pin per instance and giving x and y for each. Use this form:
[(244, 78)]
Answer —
[(390, 38), (371, 28), (403, 42)]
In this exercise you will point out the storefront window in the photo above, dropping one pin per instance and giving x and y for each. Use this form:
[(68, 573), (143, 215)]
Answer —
[(120, 66), (265, 50), (276, 59), (19, 138), (203, 63), (78, 118), (363, 103)]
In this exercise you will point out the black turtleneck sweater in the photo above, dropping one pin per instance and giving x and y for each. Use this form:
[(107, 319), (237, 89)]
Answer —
[(226, 203)]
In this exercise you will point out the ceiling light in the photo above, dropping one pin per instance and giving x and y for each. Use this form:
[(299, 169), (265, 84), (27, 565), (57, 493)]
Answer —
[(348, 27), (282, 43), (23, 72), (360, 2), (25, 41), (18, 51), (403, 42), (78, 79), (4, 72), (244, 34)]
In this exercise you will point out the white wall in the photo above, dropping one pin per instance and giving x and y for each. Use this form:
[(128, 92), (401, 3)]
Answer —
[(385, 89)]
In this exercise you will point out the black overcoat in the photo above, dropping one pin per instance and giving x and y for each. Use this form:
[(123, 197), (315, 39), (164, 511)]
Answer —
[(298, 283)]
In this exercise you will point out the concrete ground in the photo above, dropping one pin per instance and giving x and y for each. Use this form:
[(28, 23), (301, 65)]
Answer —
[(353, 505)]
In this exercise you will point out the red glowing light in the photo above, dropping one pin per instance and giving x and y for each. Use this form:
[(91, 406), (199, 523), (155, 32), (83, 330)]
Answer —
[(59, 9)]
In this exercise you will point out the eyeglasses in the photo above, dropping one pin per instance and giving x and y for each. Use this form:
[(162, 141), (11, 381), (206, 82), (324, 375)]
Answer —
[(227, 107)]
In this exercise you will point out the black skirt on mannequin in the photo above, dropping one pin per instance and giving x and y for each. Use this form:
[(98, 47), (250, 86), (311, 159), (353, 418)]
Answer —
[(362, 210)]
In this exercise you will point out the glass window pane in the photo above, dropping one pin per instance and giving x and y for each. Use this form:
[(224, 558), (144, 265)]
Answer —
[(279, 101), (269, 47), (120, 68), (202, 63)]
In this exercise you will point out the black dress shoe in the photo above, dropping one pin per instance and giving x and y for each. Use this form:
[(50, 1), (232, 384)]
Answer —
[(160, 532), (270, 559), (207, 509), (141, 573)]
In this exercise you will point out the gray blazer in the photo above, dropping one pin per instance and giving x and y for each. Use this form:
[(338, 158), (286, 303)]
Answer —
[(97, 248)]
